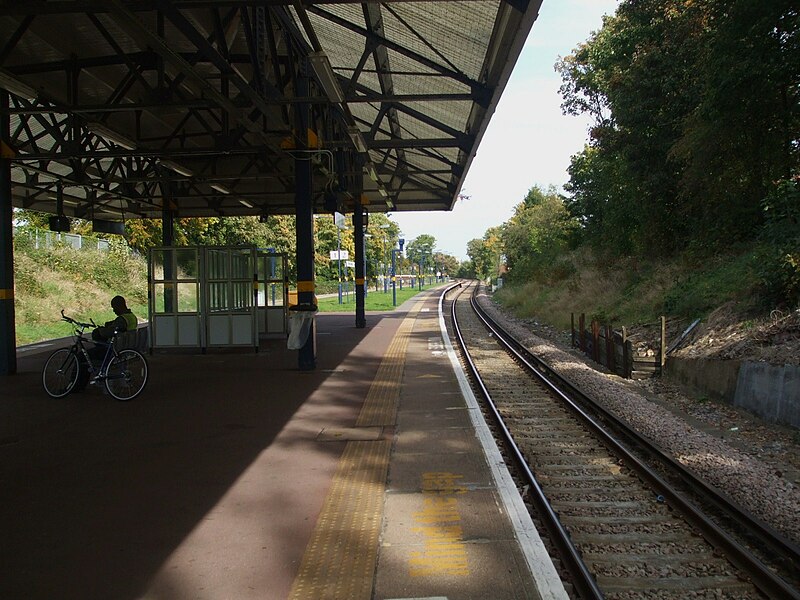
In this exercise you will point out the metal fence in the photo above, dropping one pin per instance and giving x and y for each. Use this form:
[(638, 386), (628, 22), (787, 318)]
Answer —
[(42, 238)]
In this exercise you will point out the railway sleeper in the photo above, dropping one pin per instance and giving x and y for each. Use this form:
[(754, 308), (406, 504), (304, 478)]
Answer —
[(618, 520), (675, 584), (699, 560), (583, 496), (607, 539)]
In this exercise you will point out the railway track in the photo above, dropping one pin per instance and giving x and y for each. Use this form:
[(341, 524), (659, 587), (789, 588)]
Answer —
[(621, 531)]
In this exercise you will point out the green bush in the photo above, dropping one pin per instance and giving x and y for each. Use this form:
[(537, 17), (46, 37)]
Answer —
[(711, 284), (779, 259), (80, 281)]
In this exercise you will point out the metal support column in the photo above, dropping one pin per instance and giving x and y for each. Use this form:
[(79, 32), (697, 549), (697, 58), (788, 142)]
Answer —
[(8, 332), (358, 225), (168, 239), (167, 227), (304, 213)]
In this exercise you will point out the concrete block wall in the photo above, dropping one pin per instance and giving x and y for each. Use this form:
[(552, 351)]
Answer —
[(769, 391)]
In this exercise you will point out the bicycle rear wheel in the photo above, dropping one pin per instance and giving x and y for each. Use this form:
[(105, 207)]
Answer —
[(126, 375), (60, 373)]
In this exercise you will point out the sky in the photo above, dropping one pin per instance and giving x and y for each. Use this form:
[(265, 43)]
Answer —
[(528, 141)]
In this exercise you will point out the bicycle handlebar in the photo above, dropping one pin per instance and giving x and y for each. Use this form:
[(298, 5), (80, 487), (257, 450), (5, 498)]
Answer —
[(64, 317)]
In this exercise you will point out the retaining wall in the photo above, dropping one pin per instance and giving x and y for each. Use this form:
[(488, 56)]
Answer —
[(770, 391)]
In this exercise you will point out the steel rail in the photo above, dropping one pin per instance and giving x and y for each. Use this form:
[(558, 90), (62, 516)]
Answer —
[(582, 579), (763, 578)]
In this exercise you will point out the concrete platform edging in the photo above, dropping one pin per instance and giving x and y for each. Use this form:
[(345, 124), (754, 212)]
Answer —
[(536, 556)]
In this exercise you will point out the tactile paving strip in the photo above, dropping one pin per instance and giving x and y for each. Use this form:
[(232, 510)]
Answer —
[(380, 406), (339, 561)]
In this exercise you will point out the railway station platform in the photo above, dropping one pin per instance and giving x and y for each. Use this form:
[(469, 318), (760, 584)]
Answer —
[(235, 476)]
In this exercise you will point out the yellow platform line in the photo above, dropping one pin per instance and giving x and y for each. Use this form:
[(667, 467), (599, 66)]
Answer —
[(380, 406), (339, 561)]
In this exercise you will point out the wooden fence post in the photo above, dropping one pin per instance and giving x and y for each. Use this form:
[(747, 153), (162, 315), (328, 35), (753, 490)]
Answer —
[(610, 348), (595, 341), (663, 350), (626, 373), (572, 328), (582, 332)]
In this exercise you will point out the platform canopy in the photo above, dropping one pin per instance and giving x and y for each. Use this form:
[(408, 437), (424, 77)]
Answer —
[(128, 108)]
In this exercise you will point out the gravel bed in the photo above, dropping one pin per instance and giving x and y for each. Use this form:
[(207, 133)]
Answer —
[(734, 466)]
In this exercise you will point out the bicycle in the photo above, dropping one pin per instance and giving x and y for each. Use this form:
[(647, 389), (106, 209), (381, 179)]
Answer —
[(122, 371)]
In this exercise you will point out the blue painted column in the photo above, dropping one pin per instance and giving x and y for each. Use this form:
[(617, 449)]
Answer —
[(8, 332), (304, 213), (358, 226)]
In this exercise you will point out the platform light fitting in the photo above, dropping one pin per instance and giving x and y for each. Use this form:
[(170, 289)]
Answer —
[(246, 203), (179, 169), (220, 188), (358, 139), (15, 86), (383, 192), (112, 136), (327, 78)]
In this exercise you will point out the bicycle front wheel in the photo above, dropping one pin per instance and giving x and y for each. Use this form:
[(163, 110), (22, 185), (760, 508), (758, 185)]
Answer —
[(60, 373), (126, 375)]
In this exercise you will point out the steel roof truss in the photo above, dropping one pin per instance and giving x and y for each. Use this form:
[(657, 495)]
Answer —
[(15, 37), (477, 87)]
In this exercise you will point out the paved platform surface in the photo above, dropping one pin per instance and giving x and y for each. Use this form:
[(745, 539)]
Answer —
[(237, 476)]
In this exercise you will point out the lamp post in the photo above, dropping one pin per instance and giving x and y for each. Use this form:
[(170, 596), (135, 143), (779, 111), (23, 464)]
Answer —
[(339, 259), (366, 281), (401, 242), (339, 221), (394, 283), (384, 227)]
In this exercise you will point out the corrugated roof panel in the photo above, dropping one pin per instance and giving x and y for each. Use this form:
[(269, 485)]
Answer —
[(449, 33), (428, 51)]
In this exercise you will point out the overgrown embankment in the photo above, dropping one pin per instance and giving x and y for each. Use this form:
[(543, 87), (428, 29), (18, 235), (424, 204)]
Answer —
[(82, 282), (723, 291), (635, 290)]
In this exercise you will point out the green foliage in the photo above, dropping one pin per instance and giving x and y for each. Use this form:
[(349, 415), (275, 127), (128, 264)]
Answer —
[(536, 235), (779, 258), (637, 291), (486, 254), (466, 270), (80, 281), (710, 284), (420, 250), (444, 263), (695, 108)]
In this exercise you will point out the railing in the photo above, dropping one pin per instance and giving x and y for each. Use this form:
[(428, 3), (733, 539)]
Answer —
[(43, 238)]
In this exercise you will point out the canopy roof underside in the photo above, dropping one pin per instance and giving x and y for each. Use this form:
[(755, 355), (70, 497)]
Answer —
[(130, 108)]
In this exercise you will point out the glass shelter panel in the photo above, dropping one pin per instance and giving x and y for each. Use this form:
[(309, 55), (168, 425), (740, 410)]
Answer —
[(217, 296), (216, 264), (271, 293), (203, 297), (175, 297), (157, 265), (163, 297), (188, 297), (187, 264)]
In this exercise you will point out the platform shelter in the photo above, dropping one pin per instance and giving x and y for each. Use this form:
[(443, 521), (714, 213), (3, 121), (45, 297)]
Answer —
[(113, 110)]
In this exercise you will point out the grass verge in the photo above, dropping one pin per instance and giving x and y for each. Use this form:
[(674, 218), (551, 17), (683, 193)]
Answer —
[(375, 301)]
